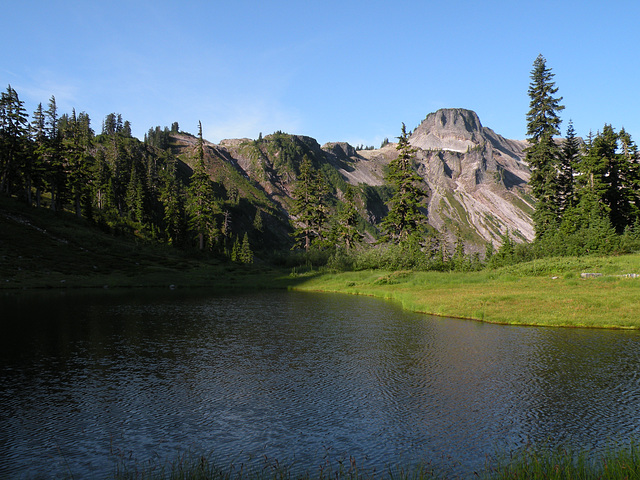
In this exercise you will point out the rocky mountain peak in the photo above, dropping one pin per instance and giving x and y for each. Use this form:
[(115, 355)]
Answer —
[(454, 129)]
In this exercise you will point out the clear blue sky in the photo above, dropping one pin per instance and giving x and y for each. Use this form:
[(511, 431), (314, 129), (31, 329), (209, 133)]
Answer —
[(333, 70)]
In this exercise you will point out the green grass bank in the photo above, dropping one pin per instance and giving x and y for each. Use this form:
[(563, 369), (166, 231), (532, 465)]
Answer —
[(547, 292)]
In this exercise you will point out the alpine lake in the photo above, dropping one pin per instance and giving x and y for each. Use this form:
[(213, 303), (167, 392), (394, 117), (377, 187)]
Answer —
[(91, 379)]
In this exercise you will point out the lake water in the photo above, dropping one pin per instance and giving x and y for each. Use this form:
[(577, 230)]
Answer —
[(91, 379)]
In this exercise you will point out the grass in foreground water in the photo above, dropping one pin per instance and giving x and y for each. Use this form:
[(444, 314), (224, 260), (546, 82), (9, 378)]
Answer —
[(529, 463)]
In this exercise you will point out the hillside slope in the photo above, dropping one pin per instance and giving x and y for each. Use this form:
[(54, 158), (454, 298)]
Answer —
[(477, 181)]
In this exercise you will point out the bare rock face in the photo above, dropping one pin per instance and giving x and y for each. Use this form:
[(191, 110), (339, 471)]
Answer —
[(451, 129), (477, 180), (342, 150)]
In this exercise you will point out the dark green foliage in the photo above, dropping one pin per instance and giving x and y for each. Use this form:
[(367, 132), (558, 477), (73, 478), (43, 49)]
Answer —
[(245, 254), (14, 142), (405, 217), (346, 228), (309, 206), (201, 204), (77, 145), (606, 184), (570, 152), (54, 160), (543, 154), (158, 137), (258, 225), (35, 168)]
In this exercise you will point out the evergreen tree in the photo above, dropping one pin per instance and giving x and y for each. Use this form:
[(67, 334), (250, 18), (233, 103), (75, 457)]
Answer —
[(608, 178), (200, 197), (14, 140), (405, 217), (568, 159), (309, 205), (135, 198), (76, 150), (346, 228), (101, 176), (505, 254), (459, 260), (54, 160), (173, 208), (630, 180), (245, 254), (39, 143), (109, 125), (543, 154), (258, 224), (126, 129)]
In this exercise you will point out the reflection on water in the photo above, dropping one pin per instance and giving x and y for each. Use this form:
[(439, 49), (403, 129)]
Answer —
[(296, 377)]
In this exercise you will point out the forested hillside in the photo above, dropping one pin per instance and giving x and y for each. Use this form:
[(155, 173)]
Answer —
[(450, 194)]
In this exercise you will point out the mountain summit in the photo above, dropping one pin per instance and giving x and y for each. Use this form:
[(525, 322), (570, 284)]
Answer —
[(477, 181), (454, 129)]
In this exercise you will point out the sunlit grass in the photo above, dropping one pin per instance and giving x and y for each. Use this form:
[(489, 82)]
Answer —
[(547, 292)]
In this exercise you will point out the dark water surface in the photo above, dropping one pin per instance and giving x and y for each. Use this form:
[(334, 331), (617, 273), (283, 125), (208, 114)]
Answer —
[(90, 378)]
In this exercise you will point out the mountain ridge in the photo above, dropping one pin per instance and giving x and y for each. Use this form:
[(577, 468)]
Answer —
[(477, 180)]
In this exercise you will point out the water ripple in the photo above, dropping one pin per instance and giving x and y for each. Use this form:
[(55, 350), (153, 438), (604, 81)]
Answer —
[(297, 377)]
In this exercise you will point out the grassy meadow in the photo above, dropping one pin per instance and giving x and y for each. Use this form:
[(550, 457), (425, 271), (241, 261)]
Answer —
[(547, 292)]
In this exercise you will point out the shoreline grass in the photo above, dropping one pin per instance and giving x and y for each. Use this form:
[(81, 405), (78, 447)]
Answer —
[(550, 463), (547, 292)]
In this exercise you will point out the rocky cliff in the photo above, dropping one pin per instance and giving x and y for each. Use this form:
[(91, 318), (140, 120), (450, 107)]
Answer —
[(477, 180)]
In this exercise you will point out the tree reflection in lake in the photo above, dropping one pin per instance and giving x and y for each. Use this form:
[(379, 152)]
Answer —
[(295, 377)]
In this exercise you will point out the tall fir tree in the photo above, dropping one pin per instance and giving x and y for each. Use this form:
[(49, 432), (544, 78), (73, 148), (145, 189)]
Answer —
[(172, 198), (570, 152), (76, 149), (630, 179), (346, 227), (543, 153), (405, 217), (54, 160), (39, 144), (309, 205), (14, 141), (200, 197), (245, 254)]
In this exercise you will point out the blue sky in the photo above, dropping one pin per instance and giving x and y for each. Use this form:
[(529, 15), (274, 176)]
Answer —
[(333, 70)]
